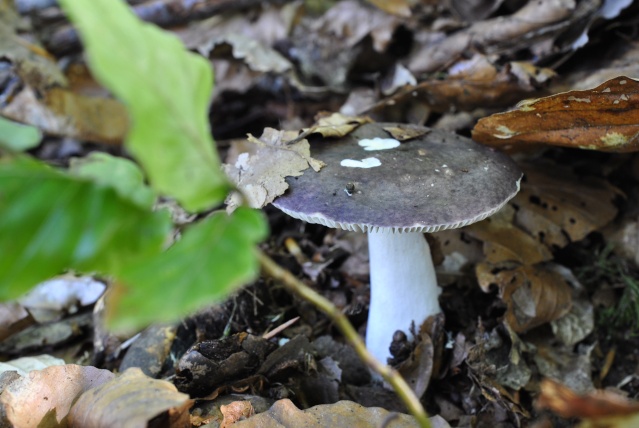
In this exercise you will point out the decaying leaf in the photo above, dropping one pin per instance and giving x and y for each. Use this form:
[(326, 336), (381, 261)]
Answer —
[(473, 83), (13, 318), (605, 118), (503, 241), (557, 207), (497, 34), (394, 7), (260, 172), (132, 400), (600, 408), (336, 125), (284, 414), (25, 364), (64, 113), (235, 411), (44, 397), (534, 295)]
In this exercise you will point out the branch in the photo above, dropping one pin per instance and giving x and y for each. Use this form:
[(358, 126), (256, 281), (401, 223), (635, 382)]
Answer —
[(390, 375)]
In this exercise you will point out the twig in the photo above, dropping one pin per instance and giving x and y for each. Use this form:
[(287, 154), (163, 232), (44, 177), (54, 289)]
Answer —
[(390, 375), (279, 328)]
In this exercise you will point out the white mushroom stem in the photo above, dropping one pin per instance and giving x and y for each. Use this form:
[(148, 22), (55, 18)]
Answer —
[(403, 287)]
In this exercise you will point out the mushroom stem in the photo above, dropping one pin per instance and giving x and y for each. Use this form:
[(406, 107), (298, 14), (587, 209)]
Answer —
[(403, 287)]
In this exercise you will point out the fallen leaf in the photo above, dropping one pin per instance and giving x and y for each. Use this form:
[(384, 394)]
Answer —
[(33, 400), (260, 174), (235, 412), (497, 34), (503, 241), (64, 113), (394, 7), (131, 400), (13, 318), (557, 207), (471, 84), (284, 414), (534, 295), (336, 125), (566, 403), (25, 364), (605, 118)]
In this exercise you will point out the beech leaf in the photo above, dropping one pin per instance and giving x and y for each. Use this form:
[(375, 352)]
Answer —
[(605, 118), (166, 89)]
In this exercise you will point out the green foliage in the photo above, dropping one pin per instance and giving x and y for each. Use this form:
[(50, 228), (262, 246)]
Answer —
[(210, 260), (18, 137), (121, 174), (98, 216), (167, 91), (50, 221)]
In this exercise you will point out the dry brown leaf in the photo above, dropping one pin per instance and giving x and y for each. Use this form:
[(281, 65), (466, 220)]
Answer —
[(598, 404), (406, 132), (556, 206), (63, 113), (475, 83), (236, 411), (131, 400), (49, 393), (394, 7), (534, 295), (505, 242), (260, 172), (496, 34), (13, 318), (605, 118), (336, 125), (284, 414)]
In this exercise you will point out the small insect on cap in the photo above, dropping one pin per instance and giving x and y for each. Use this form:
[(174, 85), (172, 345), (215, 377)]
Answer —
[(374, 182)]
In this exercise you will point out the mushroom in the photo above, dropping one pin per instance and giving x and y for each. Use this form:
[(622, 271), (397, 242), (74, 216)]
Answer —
[(397, 191)]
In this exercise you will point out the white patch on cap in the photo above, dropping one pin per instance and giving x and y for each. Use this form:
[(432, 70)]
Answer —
[(364, 163), (377, 143)]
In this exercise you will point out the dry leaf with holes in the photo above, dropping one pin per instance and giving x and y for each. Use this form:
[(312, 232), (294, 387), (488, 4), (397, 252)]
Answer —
[(558, 207), (605, 118), (260, 172), (598, 408)]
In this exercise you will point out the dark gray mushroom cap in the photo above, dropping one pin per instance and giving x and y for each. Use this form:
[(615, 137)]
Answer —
[(433, 182)]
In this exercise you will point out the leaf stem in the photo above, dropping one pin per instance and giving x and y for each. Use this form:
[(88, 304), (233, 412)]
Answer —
[(390, 375)]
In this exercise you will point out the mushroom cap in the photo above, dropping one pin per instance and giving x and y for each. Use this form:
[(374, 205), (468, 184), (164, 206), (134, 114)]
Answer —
[(432, 182)]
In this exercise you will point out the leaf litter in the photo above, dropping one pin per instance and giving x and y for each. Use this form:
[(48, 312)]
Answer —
[(515, 314)]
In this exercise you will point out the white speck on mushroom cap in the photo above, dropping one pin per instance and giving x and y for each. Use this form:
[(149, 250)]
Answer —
[(370, 144), (364, 163)]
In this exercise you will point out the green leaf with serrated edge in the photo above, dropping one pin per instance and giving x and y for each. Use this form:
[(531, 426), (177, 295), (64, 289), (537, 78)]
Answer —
[(50, 221), (167, 91), (213, 257), (121, 174), (18, 137)]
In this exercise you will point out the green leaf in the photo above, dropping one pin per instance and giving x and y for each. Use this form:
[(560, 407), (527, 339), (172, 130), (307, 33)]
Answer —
[(211, 259), (121, 174), (50, 221), (166, 89), (18, 137)]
